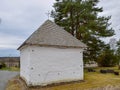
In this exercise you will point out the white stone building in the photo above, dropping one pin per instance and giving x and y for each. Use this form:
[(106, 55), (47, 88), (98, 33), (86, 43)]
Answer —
[(51, 55)]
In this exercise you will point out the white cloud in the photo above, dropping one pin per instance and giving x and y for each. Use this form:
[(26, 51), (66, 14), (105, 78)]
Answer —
[(9, 42), (112, 8), (24, 13), (19, 19)]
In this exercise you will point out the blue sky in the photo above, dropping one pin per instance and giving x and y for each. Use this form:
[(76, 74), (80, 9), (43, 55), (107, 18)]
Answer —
[(20, 18)]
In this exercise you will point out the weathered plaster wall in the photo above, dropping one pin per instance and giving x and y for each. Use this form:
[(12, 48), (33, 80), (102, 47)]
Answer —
[(24, 63), (52, 65)]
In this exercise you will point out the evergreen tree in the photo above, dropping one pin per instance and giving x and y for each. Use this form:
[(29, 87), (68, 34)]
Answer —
[(118, 53), (80, 18), (107, 57)]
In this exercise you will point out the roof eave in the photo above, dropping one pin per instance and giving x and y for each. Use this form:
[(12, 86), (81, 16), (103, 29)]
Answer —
[(45, 45)]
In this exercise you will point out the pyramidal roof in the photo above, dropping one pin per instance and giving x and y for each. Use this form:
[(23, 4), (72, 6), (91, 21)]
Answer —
[(50, 34)]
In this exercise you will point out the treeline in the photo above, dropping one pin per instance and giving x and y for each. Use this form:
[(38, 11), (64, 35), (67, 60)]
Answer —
[(81, 19)]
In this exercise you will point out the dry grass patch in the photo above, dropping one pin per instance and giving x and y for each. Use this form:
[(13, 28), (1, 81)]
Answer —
[(14, 84), (92, 80)]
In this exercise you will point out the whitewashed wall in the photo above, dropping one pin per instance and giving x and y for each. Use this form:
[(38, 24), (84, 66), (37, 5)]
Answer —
[(24, 64), (52, 65)]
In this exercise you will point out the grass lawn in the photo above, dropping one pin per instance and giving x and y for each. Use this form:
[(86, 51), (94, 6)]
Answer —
[(11, 69), (92, 80)]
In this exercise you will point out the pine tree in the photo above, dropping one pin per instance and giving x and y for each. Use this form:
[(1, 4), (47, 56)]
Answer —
[(107, 58), (118, 53), (80, 18)]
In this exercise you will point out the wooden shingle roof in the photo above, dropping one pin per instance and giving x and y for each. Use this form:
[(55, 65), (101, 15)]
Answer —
[(50, 34)]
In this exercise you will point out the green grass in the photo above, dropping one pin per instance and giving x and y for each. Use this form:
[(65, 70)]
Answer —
[(91, 80), (11, 69)]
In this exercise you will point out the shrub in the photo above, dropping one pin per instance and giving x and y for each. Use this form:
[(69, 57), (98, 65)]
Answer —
[(107, 58), (2, 65)]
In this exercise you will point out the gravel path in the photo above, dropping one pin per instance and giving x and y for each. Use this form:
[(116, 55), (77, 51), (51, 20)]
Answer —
[(5, 76)]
